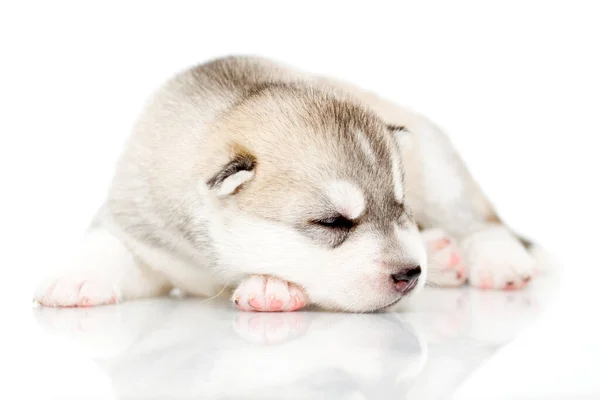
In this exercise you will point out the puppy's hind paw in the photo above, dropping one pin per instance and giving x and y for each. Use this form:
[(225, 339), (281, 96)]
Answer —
[(497, 260), (446, 265)]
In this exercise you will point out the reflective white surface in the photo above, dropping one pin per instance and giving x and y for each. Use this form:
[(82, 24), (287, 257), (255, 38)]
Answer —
[(194, 349)]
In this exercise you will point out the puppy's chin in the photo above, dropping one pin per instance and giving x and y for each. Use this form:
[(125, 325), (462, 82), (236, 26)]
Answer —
[(371, 302), (366, 308)]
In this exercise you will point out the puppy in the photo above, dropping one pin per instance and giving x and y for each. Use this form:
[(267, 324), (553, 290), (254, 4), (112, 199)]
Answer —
[(288, 189)]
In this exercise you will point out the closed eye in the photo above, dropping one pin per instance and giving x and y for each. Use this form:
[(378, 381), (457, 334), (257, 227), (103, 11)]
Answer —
[(337, 222)]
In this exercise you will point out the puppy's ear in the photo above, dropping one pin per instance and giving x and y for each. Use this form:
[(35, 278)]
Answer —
[(402, 135), (233, 175)]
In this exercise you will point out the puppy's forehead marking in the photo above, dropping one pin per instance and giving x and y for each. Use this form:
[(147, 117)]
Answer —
[(347, 197), (397, 176), (365, 145)]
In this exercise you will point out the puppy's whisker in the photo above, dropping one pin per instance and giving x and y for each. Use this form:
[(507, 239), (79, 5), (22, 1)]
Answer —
[(216, 295)]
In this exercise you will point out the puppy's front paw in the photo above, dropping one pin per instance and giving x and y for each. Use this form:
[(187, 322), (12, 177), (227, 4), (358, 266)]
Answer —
[(497, 260), (265, 293), (72, 291), (446, 265)]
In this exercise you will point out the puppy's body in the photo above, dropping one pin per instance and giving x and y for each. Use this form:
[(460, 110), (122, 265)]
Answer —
[(291, 187)]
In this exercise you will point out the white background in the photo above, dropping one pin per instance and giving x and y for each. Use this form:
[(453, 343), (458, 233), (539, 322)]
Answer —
[(516, 84)]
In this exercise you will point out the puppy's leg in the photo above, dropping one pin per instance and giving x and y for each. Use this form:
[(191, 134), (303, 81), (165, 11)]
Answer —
[(264, 293), (103, 271)]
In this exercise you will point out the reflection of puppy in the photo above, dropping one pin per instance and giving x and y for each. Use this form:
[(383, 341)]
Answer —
[(493, 317), (166, 345), (193, 349), (291, 188), (465, 327)]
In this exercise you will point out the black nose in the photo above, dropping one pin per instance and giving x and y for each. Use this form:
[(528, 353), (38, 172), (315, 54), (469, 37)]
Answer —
[(406, 279)]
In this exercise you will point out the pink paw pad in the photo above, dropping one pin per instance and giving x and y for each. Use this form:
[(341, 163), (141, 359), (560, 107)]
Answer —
[(256, 304), (441, 243), (275, 305), (454, 260), (486, 283), (516, 285), (83, 293), (268, 294), (297, 304)]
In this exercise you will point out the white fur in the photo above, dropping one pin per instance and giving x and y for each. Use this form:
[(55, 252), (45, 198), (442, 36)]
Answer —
[(229, 185), (190, 275), (444, 200), (103, 271), (495, 257), (544, 260), (346, 197), (397, 176), (365, 146), (402, 136)]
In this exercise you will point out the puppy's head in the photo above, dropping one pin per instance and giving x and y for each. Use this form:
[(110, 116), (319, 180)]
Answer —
[(309, 188)]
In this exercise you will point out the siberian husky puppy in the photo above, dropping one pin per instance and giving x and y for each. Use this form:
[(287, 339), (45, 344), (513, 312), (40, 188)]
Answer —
[(286, 189)]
